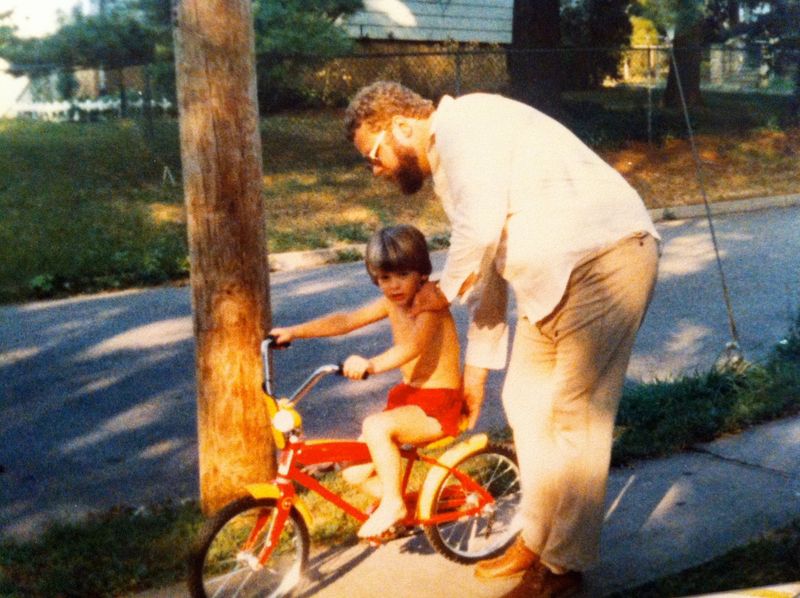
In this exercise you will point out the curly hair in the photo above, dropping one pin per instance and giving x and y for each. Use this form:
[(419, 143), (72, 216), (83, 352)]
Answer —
[(376, 104)]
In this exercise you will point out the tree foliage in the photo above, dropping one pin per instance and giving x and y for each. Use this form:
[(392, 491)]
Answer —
[(539, 66), (601, 29), (114, 40), (774, 24), (6, 29), (766, 20), (291, 37), (684, 21)]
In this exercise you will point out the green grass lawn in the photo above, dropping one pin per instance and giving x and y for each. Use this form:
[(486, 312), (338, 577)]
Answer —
[(87, 207), (773, 559), (82, 209), (92, 206)]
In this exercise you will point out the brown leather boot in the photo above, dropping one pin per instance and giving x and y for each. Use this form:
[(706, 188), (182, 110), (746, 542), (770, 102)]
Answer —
[(540, 582), (517, 559)]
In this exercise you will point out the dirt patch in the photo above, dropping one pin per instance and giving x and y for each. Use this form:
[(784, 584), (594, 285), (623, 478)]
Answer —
[(760, 163)]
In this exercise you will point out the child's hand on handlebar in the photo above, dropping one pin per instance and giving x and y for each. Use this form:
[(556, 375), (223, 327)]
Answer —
[(282, 335), (356, 367)]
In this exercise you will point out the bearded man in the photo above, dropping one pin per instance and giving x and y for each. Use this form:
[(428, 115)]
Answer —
[(533, 208)]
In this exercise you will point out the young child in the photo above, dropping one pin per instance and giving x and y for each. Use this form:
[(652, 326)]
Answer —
[(428, 403)]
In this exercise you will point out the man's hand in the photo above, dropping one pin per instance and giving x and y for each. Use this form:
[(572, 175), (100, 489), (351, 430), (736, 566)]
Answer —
[(474, 390), (356, 367), (429, 298)]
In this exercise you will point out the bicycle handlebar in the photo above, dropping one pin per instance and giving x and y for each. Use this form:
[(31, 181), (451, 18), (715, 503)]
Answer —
[(305, 387), (341, 371)]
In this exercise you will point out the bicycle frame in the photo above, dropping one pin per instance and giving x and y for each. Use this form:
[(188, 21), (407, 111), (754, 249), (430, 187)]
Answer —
[(298, 454), (463, 497)]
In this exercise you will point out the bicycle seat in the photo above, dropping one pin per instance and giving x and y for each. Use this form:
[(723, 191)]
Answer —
[(445, 440), (438, 443)]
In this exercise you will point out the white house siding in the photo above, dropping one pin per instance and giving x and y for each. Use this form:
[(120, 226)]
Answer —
[(485, 21)]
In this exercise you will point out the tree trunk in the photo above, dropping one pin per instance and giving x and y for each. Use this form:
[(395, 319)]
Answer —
[(534, 59), (733, 13), (222, 180), (123, 95), (794, 104), (688, 56)]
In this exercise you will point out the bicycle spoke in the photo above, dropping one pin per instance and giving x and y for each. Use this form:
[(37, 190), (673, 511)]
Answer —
[(481, 496), (228, 569)]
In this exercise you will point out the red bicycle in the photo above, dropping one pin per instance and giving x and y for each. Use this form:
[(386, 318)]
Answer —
[(259, 545)]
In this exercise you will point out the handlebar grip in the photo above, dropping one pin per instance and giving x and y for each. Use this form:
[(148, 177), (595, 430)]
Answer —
[(340, 372), (271, 338)]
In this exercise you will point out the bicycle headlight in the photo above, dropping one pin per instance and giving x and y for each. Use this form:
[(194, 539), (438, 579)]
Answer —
[(285, 420)]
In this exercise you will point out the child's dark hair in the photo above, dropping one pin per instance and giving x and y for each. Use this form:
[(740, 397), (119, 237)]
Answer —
[(397, 249)]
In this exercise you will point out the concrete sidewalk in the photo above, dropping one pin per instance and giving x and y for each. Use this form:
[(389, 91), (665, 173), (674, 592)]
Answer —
[(663, 516)]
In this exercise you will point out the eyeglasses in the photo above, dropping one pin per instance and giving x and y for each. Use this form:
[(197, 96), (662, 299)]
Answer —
[(372, 156)]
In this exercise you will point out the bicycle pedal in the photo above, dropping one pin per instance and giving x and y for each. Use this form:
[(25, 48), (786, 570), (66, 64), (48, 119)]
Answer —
[(394, 532)]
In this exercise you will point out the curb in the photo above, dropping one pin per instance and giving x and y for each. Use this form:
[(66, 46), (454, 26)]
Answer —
[(314, 258), (725, 207), (300, 260)]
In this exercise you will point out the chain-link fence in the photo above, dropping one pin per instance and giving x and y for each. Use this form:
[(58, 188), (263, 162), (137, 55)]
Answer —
[(330, 82), (609, 94)]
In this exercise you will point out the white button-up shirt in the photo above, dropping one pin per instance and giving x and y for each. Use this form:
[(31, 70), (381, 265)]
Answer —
[(527, 201)]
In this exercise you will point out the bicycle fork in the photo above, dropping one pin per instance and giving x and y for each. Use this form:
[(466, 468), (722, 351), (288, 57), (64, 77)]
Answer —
[(276, 520)]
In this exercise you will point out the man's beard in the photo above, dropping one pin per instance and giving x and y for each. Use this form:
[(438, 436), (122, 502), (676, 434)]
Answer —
[(408, 175)]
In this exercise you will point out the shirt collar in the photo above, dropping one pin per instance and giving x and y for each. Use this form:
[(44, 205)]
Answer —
[(433, 157), (443, 104)]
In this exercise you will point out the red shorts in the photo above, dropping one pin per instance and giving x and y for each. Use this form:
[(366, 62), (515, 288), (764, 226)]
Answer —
[(443, 404)]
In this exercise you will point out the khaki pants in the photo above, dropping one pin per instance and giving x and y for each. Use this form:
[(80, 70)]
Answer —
[(561, 395)]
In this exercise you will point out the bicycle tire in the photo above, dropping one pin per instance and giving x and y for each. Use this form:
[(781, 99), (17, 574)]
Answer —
[(472, 538), (218, 567)]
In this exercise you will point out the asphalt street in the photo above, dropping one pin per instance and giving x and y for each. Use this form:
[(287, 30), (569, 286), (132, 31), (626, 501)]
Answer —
[(97, 392)]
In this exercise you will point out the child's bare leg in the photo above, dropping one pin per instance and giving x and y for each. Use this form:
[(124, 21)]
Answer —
[(364, 477), (358, 474), (382, 431)]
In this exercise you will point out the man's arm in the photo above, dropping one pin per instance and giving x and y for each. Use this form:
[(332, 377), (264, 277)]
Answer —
[(487, 339)]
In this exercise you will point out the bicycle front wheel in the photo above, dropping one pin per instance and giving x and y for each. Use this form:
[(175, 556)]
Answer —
[(490, 530), (226, 561)]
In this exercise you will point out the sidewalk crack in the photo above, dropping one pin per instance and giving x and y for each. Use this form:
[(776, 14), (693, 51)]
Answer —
[(782, 473)]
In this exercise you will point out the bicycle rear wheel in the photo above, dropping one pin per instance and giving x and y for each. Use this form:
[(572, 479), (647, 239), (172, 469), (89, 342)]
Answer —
[(491, 530), (226, 560)]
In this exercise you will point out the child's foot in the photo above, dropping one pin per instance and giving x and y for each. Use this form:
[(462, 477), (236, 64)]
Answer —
[(384, 517)]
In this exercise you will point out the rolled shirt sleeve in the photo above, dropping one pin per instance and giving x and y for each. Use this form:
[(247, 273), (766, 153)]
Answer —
[(487, 335)]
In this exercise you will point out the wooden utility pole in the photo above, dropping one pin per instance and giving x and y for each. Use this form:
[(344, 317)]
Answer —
[(222, 180)]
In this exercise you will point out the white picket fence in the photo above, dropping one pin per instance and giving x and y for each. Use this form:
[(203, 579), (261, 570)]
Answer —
[(78, 110)]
